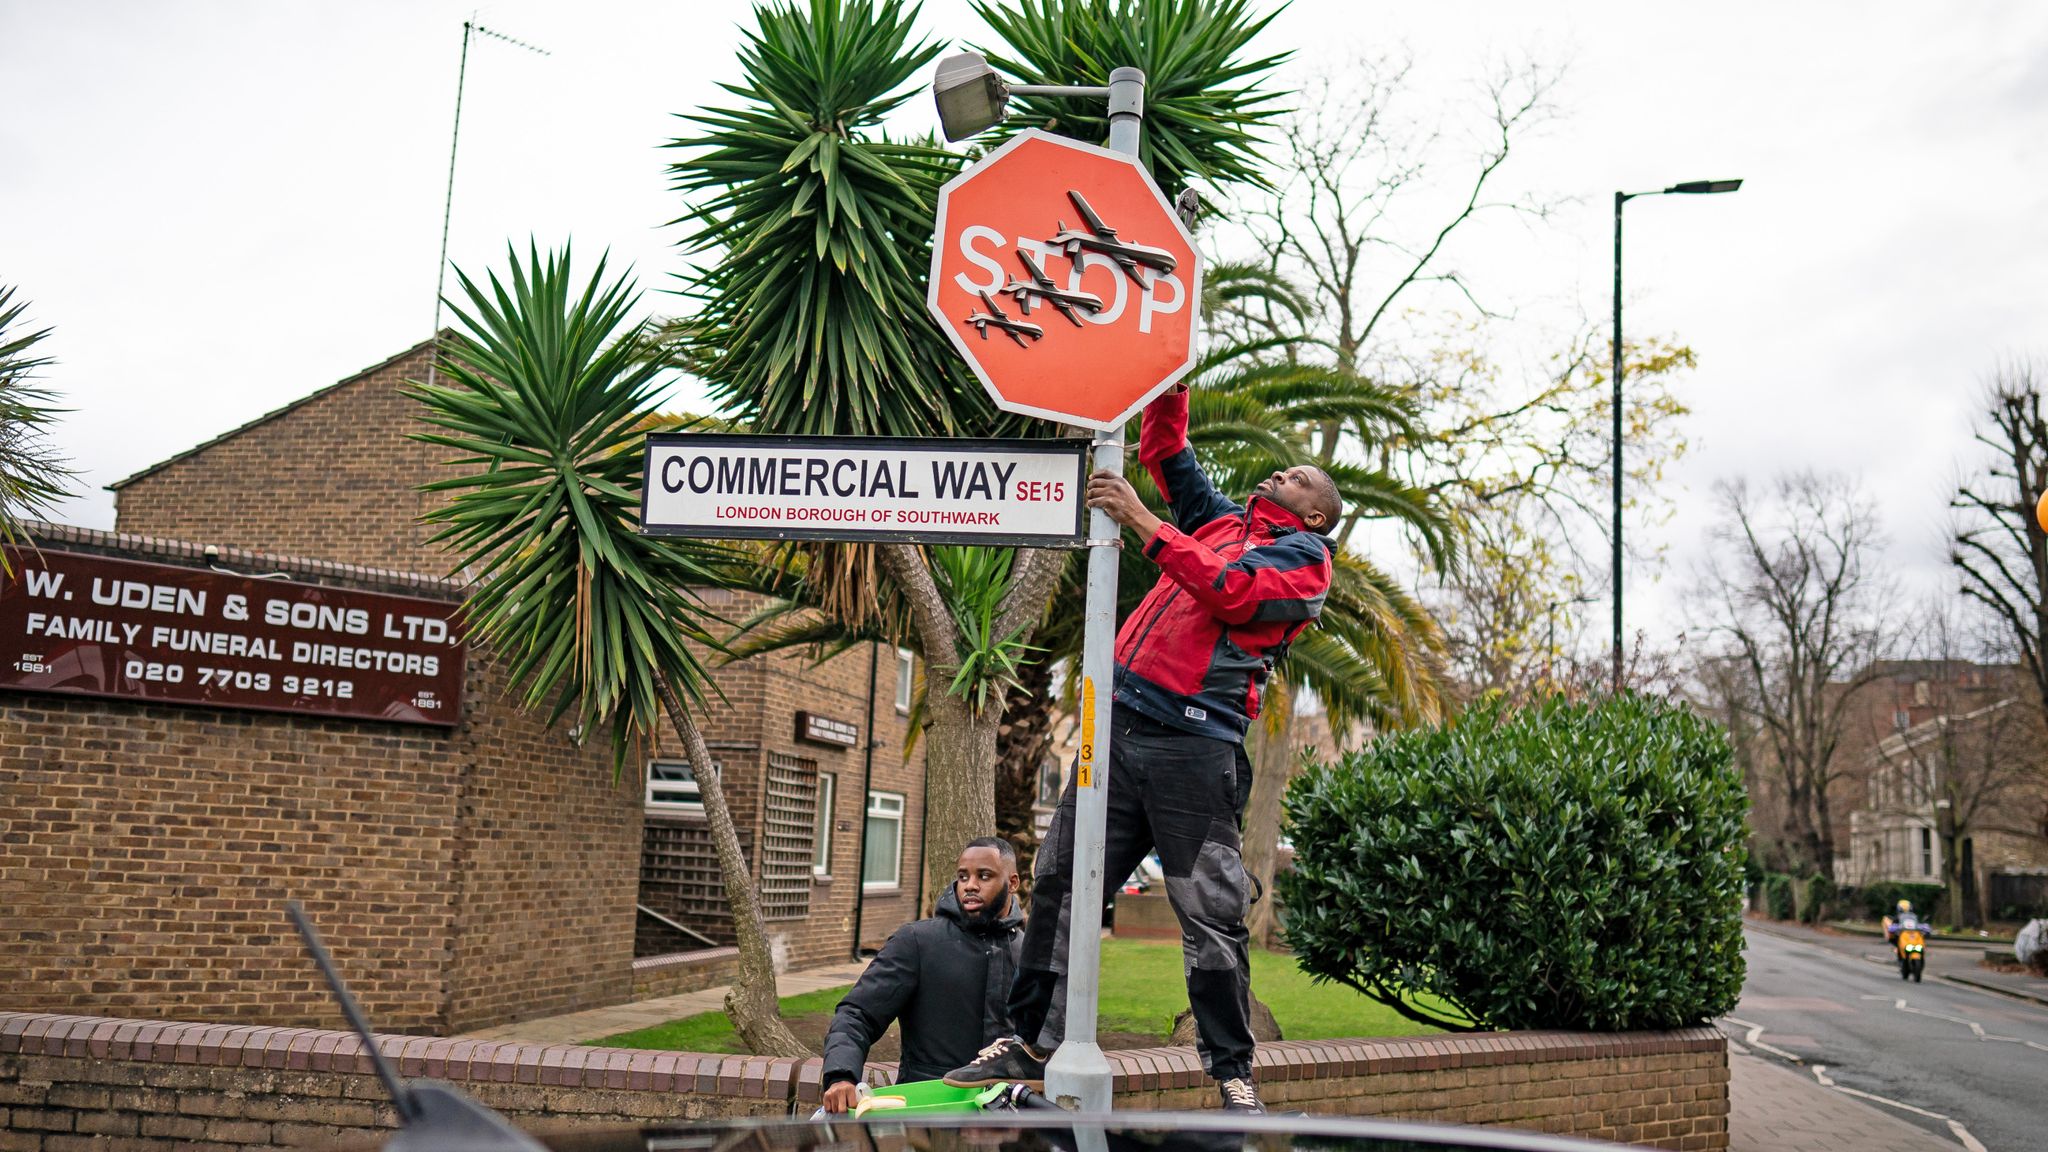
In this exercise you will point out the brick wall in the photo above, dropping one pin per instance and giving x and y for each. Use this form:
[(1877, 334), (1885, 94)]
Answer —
[(66, 1080), (463, 878), (673, 975), (333, 476), (329, 476)]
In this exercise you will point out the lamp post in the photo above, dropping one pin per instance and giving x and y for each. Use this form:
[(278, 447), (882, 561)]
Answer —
[(971, 98), (1550, 634), (1689, 188)]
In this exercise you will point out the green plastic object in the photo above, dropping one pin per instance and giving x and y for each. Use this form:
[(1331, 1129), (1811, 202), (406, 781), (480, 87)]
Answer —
[(926, 1097)]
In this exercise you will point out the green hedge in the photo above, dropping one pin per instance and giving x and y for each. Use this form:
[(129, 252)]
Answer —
[(1820, 897), (1878, 900), (1778, 900), (1570, 865)]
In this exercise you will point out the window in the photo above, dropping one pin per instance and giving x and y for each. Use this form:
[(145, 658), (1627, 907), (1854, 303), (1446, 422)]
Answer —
[(1901, 719), (906, 676), (882, 861), (1926, 852), (821, 840), (672, 786), (1049, 782)]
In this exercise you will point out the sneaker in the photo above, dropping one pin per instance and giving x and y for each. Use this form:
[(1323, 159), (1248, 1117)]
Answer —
[(1241, 1095), (1007, 1060)]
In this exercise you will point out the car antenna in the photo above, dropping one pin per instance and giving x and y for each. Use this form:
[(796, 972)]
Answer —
[(431, 1115)]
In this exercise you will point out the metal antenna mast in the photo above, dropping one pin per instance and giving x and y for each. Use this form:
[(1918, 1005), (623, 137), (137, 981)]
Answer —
[(448, 199)]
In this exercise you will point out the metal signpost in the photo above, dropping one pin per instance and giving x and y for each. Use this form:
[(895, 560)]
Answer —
[(1117, 284)]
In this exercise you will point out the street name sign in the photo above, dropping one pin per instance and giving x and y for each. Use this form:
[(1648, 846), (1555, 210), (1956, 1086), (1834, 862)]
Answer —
[(1066, 280), (871, 488)]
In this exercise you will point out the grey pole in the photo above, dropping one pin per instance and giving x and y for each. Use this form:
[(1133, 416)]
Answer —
[(1078, 1075)]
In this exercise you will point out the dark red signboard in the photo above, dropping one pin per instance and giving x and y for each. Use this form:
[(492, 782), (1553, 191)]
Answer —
[(97, 626)]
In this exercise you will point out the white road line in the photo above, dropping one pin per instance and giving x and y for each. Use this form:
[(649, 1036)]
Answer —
[(1756, 1030), (1961, 1133), (1820, 1074), (1900, 1003)]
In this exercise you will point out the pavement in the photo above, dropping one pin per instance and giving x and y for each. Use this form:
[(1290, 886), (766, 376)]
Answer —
[(598, 1023), (1772, 1108)]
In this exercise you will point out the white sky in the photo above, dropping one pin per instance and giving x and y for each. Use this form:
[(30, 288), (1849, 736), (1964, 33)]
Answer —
[(221, 207)]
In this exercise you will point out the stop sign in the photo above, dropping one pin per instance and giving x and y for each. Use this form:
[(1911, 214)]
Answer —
[(1066, 280)]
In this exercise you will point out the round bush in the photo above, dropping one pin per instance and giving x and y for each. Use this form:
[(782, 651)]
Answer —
[(1779, 902), (1569, 865)]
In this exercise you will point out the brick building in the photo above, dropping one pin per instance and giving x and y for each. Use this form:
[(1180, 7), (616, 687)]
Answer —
[(466, 877), (1962, 769)]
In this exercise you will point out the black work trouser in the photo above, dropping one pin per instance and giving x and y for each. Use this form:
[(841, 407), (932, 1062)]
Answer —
[(1183, 794)]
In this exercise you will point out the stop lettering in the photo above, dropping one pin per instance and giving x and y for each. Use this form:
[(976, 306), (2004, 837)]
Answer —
[(1066, 280)]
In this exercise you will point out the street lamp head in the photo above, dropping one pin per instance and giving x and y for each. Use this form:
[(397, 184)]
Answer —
[(1702, 187), (970, 95)]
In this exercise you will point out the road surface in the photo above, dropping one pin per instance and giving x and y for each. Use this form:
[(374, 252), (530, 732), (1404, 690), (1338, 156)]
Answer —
[(1934, 1054)]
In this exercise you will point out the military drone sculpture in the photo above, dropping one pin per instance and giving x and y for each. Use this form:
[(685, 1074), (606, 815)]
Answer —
[(1000, 320)]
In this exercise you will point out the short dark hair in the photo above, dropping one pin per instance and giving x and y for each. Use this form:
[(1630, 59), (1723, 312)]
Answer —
[(1004, 848), (1328, 502)]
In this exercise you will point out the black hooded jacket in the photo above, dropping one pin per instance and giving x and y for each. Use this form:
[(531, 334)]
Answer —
[(947, 978)]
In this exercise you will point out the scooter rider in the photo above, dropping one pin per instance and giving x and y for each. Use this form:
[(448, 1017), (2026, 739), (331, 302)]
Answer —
[(1903, 918)]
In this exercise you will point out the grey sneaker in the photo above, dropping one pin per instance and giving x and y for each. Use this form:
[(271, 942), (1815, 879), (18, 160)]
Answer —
[(1007, 1060), (1241, 1095)]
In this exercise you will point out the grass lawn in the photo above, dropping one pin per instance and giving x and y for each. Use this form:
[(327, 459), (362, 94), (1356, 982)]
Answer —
[(1142, 990)]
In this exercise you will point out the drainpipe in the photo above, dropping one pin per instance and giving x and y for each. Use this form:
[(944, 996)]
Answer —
[(867, 777)]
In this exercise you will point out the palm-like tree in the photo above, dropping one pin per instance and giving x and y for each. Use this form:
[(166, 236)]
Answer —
[(815, 229), (546, 402), (32, 476)]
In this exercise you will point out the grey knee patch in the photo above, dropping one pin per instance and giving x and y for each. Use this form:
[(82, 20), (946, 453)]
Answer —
[(1211, 900)]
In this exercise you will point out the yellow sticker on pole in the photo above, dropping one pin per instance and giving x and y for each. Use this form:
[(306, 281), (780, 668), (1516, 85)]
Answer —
[(1084, 775)]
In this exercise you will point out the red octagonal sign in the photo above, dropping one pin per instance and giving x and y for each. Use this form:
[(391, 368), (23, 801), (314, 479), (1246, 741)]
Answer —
[(1066, 280)]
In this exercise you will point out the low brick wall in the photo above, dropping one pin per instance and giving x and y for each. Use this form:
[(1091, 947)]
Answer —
[(680, 972), (72, 1082)]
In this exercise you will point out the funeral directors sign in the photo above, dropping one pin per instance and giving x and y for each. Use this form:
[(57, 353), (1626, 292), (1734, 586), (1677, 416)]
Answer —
[(98, 626), (926, 491)]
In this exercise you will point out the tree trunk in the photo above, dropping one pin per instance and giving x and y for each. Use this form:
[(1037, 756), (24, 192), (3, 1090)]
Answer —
[(751, 1002), (1271, 751), (960, 743), (960, 800), (1023, 740)]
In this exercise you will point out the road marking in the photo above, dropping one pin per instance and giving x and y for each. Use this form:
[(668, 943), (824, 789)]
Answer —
[(1900, 1004), (1756, 1030), (1820, 1073)]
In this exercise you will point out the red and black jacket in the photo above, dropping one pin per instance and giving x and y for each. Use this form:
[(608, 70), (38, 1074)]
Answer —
[(1236, 586)]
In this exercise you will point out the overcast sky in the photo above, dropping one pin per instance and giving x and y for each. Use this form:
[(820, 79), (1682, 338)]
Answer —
[(221, 207)]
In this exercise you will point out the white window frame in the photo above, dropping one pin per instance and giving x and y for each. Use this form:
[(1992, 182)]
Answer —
[(821, 844), (660, 805), (879, 808), (906, 679)]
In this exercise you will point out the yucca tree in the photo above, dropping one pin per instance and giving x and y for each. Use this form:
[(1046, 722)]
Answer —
[(813, 231), (547, 398), (1204, 107), (32, 475)]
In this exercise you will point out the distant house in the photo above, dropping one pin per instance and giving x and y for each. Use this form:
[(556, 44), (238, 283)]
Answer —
[(1963, 773)]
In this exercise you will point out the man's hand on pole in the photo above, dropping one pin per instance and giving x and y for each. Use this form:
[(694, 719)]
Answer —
[(1119, 501)]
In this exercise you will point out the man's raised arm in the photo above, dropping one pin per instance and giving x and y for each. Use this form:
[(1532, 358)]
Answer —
[(1163, 450)]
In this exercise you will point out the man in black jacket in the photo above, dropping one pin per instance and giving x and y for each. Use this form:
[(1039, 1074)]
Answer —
[(947, 978)]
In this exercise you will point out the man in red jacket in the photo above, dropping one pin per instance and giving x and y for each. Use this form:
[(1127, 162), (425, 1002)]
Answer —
[(1237, 584)]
